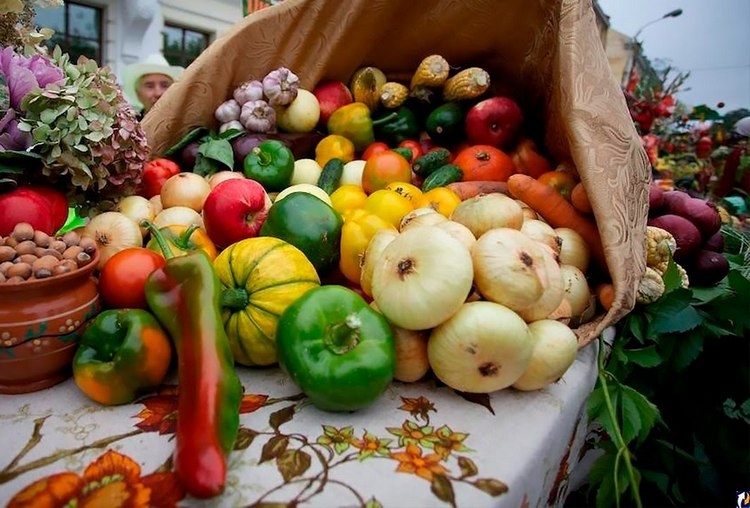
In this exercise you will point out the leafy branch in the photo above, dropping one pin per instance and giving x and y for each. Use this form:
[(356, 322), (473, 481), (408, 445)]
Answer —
[(666, 437)]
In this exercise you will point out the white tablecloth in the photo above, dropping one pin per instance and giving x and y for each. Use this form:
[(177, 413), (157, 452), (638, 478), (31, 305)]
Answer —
[(418, 444)]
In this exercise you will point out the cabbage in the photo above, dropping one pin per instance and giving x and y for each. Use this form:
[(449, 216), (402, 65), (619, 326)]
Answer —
[(24, 74)]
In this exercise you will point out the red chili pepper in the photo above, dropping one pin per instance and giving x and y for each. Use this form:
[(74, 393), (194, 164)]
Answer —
[(155, 173)]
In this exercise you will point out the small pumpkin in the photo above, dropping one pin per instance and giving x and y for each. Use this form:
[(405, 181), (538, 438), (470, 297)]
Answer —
[(260, 278)]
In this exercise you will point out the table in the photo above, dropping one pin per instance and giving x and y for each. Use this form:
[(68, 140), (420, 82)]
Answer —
[(421, 444)]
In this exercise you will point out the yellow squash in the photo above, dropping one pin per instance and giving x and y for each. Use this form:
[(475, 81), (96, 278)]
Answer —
[(260, 278)]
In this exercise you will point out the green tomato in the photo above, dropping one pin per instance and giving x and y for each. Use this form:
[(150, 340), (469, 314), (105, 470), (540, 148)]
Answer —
[(271, 164), (336, 348)]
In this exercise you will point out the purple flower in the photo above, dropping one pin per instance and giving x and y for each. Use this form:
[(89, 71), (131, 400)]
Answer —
[(24, 74), (10, 137)]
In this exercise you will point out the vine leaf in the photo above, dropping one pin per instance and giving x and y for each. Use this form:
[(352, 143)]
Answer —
[(443, 489), (245, 438), (483, 399), (274, 448), (602, 474), (373, 503), (468, 468), (491, 486), (280, 417), (645, 357), (293, 463)]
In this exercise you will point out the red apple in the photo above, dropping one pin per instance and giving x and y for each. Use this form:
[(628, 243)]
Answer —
[(495, 121), (58, 204), (331, 95), (234, 210), (25, 206)]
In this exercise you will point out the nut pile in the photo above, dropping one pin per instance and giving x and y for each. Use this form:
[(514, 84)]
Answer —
[(29, 254)]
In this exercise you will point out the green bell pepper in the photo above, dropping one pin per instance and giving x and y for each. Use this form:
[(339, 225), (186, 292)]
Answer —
[(336, 348), (271, 164), (397, 126), (122, 353), (184, 295), (353, 121)]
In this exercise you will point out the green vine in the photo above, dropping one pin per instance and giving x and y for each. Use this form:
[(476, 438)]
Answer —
[(670, 430)]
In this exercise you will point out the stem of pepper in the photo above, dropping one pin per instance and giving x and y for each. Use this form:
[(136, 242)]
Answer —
[(343, 336), (163, 244), (385, 119), (183, 241), (264, 158)]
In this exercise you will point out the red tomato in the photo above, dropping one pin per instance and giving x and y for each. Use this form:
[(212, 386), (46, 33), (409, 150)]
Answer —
[(414, 146), (155, 173), (373, 148), (123, 277), (384, 168)]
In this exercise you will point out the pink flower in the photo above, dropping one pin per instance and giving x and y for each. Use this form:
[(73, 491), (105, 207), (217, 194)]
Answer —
[(24, 74)]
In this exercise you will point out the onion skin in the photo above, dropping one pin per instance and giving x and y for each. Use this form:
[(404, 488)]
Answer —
[(655, 199), (482, 348), (703, 214), (412, 363), (707, 268), (715, 242)]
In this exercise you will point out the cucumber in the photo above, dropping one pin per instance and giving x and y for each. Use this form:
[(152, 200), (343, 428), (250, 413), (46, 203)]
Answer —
[(330, 176), (448, 173), (406, 153), (431, 161)]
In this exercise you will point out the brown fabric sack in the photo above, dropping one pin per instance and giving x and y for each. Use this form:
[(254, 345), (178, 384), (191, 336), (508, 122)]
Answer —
[(545, 53)]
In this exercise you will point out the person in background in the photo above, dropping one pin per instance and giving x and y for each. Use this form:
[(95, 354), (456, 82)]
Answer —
[(146, 81)]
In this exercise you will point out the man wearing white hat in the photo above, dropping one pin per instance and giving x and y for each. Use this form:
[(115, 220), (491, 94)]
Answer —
[(146, 81)]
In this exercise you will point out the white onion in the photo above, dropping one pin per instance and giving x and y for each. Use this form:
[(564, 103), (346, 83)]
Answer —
[(555, 350), (221, 176), (573, 249), (554, 290), (371, 256), (488, 211), (482, 348), (509, 268), (306, 171), (185, 189), (179, 215), (422, 277), (542, 232), (576, 288), (138, 209), (422, 216), (112, 232), (458, 231)]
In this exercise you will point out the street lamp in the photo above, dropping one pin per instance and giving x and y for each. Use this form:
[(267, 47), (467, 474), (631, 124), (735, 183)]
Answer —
[(635, 46)]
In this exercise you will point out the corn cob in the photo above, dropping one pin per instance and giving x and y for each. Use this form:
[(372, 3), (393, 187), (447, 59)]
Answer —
[(366, 84), (393, 94), (432, 71), (468, 84)]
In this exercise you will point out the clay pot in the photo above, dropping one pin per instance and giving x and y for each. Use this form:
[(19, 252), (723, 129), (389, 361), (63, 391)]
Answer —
[(40, 325)]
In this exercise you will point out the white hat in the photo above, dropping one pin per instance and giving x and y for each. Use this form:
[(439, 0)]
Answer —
[(742, 127), (152, 64)]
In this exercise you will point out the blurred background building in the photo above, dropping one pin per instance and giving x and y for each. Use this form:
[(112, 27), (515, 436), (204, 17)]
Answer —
[(120, 32)]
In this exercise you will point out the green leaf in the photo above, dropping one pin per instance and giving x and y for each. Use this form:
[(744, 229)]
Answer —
[(645, 357), (673, 313), (637, 324), (648, 413), (188, 138), (205, 166), (688, 347), (219, 150), (630, 426), (672, 277)]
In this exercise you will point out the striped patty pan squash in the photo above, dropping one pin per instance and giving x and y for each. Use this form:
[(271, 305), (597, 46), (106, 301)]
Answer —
[(261, 277)]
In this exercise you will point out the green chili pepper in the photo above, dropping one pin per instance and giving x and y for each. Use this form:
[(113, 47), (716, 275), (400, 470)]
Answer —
[(122, 353), (395, 129), (353, 121), (184, 295), (271, 164), (336, 348)]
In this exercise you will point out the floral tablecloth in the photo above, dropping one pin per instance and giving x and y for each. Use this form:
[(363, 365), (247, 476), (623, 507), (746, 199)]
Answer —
[(421, 444)]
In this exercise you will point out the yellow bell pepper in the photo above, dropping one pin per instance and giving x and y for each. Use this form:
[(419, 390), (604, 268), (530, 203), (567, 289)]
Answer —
[(334, 146), (408, 190), (389, 205), (442, 199), (348, 197), (359, 228)]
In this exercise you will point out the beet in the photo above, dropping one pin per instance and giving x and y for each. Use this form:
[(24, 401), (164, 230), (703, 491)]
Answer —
[(672, 198), (188, 156), (655, 199), (241, 146), (715, 242), (700, 212), (707, 268), (685, 233)]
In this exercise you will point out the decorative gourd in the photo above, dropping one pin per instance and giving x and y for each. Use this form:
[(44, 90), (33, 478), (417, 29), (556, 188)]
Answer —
[(660, 245), (260, 277), (650, 287)]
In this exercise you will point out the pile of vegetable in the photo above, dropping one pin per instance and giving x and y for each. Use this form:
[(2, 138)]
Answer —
[(355, 234)]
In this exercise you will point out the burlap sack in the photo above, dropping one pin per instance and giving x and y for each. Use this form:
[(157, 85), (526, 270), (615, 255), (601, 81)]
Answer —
[(546, 53)]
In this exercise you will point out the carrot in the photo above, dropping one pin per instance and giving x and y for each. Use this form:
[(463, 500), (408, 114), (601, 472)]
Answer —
[(605, 294), (580, 199), (557, 211), (466, 190)]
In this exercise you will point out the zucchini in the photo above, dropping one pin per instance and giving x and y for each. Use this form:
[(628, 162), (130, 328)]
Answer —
[(448, 173), (431, 161), (445, 124), (330, 176)]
